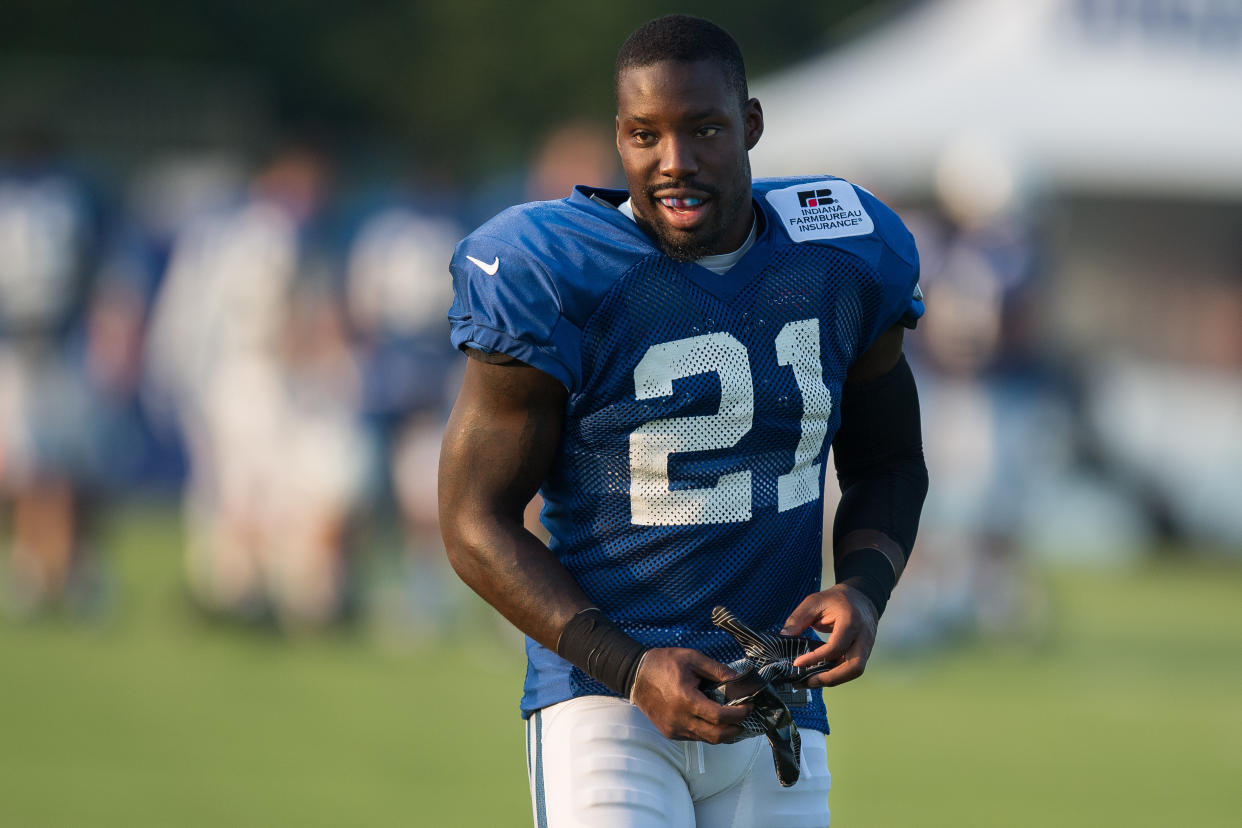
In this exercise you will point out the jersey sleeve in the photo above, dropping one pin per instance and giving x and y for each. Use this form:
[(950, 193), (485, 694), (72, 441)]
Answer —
[(897, 266), (505, 300)]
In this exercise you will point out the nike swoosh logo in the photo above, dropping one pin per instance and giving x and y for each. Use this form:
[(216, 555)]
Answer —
[(489, 269)]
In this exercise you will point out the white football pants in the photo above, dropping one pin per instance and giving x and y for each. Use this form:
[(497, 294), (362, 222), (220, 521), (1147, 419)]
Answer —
[(598, 761)]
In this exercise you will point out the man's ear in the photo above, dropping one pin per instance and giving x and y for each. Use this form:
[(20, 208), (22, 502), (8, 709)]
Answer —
[(752, 117)]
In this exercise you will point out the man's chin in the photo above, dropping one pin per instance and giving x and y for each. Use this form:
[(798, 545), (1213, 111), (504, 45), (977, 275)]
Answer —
[(682, 246)]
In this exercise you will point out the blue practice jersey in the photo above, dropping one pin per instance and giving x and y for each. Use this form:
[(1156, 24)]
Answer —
[(701, 406)]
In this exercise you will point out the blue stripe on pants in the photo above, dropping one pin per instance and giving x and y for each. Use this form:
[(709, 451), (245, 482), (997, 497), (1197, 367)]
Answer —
[(541, 809)]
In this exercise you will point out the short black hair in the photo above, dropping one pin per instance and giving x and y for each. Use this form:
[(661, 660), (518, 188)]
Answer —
[(685, 39)]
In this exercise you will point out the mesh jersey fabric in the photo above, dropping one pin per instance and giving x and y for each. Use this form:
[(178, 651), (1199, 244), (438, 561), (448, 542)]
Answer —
[(701, 406)]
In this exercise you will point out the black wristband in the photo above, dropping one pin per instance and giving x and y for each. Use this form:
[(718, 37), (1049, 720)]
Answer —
[(599, 648)]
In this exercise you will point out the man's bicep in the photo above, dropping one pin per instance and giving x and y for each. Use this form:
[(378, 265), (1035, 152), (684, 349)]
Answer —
[(502, 437), (880, 357)]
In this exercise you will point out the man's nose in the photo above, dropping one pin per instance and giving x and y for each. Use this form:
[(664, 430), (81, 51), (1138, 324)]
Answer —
[(678, 159)]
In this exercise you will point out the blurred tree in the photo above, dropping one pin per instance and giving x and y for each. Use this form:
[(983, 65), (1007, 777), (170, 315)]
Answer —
[(465, 87)]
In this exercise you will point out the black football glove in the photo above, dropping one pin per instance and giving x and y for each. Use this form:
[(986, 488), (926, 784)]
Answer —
[(771, 683)]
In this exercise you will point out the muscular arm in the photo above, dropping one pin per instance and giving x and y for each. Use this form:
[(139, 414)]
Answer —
[(499, 446), (878, 454)]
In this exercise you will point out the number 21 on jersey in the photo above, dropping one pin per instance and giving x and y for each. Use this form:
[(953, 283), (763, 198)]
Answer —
[(652, 501)]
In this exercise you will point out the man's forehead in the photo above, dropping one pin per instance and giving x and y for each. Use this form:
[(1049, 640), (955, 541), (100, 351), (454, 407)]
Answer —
[(690, 87)]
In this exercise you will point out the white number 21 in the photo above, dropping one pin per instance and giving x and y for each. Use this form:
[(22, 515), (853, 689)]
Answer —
[(652, 501)]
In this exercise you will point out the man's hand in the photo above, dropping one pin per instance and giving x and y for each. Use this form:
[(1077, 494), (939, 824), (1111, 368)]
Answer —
[(667, 690), (850, 620)]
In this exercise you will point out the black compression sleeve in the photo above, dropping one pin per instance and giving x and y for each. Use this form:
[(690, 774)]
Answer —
[(598, 647), (878, 452)]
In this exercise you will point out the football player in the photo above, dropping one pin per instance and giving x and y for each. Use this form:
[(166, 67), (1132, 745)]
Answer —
[(668, 365)]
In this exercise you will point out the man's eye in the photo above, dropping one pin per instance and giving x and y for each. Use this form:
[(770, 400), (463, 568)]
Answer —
[(643, 137), (708, 131)]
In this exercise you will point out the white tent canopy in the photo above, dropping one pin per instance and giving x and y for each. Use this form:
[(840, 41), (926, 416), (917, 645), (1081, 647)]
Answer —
[(1109, 96)]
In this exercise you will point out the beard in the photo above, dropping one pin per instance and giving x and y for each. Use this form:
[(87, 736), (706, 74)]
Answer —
[(682, 246), (707, 239)]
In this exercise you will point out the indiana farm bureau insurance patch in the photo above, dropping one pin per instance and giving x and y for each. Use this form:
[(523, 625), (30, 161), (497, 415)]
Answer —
[(821, 210)]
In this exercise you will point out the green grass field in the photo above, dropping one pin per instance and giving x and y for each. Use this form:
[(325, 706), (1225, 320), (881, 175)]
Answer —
[(1128, 712)]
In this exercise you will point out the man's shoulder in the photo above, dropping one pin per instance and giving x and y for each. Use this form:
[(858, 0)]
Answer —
[(543, 233), (829, 210), (529, 278)]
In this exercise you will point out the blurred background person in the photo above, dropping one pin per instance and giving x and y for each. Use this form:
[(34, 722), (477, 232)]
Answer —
[(251, 349), (394, 298), (996, 413), (50, 235)]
